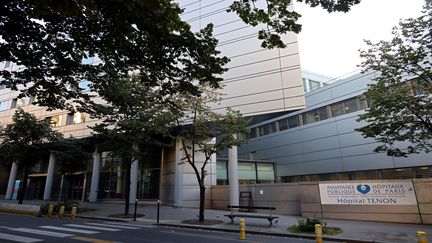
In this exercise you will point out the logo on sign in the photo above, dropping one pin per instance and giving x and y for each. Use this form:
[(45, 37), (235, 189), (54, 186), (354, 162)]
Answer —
[(363, 189)]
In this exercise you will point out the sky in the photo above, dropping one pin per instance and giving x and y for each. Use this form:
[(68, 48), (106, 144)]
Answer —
[(329, 43)]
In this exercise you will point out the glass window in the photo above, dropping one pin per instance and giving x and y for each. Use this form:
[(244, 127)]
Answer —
[(265, 172), (32, 99), (345, 176), (264, 130), (4, 105), (314, 84), (75, 118), (337, 109), (400, 173), (252, 133), (310, 116), (79, 118), (422, 172), (247, 171), (352, 105), (18, 102), (329, 177), (14, 103), (293, 121), (283, 124), (55, 121), (364, 104), (323, 114), (273, 127), (221, 170), (84, 85)]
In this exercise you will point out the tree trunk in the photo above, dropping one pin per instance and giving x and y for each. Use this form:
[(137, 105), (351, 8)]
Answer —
[(202, 202), (24, 186), (66, 196), (127, 185)]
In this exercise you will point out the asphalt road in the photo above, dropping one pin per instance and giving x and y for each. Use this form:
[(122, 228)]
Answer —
[(17, 228)]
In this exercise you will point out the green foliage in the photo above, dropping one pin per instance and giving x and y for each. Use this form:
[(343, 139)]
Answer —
[(401, 114), (202, 130), (133, 113), (50, 39), (279, 18), (307, 225), (72, 154), (26, 139)]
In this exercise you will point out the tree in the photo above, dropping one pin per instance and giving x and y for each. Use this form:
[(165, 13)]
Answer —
[(401, 111), (72, 155), (198, 126), (50, 39), (133, 115), (26, 141)]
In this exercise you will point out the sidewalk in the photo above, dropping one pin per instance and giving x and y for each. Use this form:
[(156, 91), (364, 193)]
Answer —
[(356, 231)]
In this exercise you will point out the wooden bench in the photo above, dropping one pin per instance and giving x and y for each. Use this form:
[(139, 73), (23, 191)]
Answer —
[(234, 214)]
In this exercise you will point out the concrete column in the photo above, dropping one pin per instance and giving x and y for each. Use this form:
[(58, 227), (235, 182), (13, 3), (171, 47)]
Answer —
[(94, 185), (50, 177), (119, 184), (178, 186), (233, 175), (133, 181), (11, 182)]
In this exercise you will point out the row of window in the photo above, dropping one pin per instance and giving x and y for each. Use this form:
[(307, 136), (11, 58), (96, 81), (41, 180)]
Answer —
[(322, 113), (71, 118), (248, 172), (399, 173)]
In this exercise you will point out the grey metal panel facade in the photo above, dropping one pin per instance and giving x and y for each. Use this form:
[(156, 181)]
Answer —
[(330, 145)]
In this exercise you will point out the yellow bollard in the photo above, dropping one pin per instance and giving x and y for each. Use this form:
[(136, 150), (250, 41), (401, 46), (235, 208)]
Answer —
[(421, 235), (50, 210), (242, 229), (61, 212), (73, 213), (318, 233)]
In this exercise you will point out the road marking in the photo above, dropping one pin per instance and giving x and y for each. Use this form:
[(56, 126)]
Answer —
[(133, 225), (93, 240), (113, 226), (42, 232), (18, 238), (70, 230), (209, 236), (91, 227)]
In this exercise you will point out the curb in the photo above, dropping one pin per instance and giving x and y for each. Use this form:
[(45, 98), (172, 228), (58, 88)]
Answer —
[(291, 235)]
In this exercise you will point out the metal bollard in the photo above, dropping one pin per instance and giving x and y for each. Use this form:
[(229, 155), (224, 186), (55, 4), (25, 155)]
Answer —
[(158, 206), (73, 213), (136, 205), (242, 229), (50, 210), (421, 236), (318, 233), (61, 212)]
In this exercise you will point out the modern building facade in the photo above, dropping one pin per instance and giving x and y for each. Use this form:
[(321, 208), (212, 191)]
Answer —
[(319, 143), (259, 81)]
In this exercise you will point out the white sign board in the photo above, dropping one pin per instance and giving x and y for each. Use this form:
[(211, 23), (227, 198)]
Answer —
[(377, 193)]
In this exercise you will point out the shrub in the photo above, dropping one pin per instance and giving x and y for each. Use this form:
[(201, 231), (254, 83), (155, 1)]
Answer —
[(307, 225)]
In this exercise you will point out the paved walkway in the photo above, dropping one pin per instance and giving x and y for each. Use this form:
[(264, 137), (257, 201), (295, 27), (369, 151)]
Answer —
[(357, 231)]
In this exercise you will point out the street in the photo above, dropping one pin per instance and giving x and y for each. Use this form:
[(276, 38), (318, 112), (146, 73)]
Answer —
[(17, 228)]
